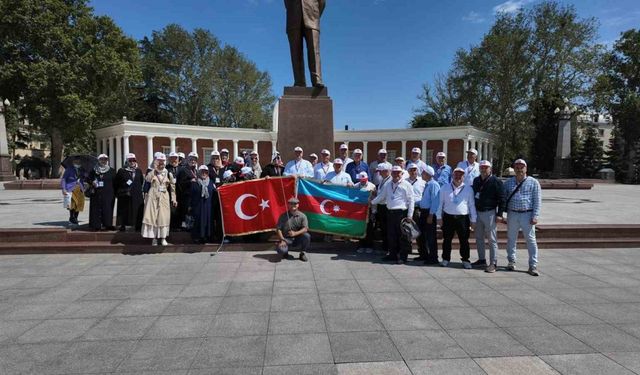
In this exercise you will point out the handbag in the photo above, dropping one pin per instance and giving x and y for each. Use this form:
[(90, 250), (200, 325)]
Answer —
[(410, 229)]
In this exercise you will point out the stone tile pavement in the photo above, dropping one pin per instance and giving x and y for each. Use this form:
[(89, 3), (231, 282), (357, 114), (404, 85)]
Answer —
[(242, 313)]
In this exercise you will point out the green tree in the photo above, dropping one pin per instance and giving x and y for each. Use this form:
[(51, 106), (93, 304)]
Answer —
[(189, 78), (590, 153), (427, 120), (68, 70), (617, 91)]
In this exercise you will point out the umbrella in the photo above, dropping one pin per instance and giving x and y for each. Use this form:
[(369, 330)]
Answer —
[(87, 161)]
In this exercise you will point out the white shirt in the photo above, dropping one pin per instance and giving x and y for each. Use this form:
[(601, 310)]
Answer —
[(380, 186), (421, 165), (346, 161), (341, 178), (399, 196), (302, 168), (457, 201), (418, 187), (321, 170), (471, 171), (368, 186)]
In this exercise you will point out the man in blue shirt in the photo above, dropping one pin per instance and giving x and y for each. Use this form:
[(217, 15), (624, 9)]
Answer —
[(356, 166), (442, 170), (523, 201), (427, 222)]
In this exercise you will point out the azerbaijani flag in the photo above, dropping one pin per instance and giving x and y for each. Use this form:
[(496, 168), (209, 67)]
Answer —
[(334, 209)]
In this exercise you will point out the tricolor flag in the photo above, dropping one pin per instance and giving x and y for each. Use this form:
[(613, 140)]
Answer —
[(334, 209), (254, 206)]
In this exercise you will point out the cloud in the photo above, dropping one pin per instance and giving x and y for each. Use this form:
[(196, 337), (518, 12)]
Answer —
[(510, 6), (473, 17)]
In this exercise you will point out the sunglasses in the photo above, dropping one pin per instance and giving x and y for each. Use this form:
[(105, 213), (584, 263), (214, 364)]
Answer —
[(133, 160)]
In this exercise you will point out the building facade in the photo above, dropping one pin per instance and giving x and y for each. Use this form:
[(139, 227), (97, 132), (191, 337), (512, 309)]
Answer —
[(145, 138)]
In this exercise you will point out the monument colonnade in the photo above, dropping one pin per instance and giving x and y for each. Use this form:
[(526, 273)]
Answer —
[(145, 138)]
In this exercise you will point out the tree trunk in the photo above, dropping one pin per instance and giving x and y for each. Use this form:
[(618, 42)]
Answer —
[(57, 147)]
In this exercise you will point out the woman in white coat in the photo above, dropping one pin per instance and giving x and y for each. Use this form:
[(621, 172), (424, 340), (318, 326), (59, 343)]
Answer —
[(158, 202)]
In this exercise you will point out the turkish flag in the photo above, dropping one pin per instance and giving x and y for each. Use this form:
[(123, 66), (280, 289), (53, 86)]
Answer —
[(254, 206)]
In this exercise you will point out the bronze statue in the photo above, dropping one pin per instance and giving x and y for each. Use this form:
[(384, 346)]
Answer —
[(303, 23)]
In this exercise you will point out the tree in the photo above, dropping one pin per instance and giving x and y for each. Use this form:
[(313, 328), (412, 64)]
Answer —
[(617, 91), (189, 78), (67, 70), (427, 120), (590, 153)]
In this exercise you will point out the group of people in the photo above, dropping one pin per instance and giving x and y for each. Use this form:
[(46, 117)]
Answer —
[(176, 193), (469, 197)]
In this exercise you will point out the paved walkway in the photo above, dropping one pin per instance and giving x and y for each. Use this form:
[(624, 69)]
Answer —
[(604, 204), (241, 313)]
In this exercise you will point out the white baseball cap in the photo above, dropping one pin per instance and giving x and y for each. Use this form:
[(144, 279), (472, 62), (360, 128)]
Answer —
[(338, 161), (181, 155), (458, 170), (298, 148), (246, 170), (344, 146), (362, 175), (130, 156), (155, 155), (485, 163), (239, 160), (441, 155), (472, 151), (429, 169), (215, 153), (224, 150), (227, 173), (161, 156), (357, 151), (382, 151), (173, 154), (412, 165), (313, 155), (396, 168), (520, 161), (400, 158), (325, 151), (103, 156), (416, 150), (193, 154), (203, 168), (254, 152)]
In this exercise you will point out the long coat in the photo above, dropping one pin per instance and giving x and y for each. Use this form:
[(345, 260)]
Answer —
[(130, 197), (183, 187), (101, 203), (304, 12), (157, 203), (201, 210)]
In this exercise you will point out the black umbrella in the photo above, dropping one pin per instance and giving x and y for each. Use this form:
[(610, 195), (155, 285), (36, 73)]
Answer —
[(86, 161)]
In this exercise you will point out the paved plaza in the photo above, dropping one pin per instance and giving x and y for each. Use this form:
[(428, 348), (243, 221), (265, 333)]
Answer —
[(243, 313)]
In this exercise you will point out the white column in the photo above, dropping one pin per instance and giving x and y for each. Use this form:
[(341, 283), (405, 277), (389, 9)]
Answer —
[(112, 151), (104, 146), (384, 144), (235, 148), (119, 155), (215, 144), (490, 157), (149, 149), (445, 147), (273, 147), (365, 153), (98, 147), (424, 151), (404, 150), (465, 148), (173, 144), (255, 145), (194, 145), (125, 143), (485, 150)]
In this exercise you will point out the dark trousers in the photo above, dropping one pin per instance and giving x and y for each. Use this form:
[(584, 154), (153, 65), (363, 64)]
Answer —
[(420, 240), (398, 245), (312, 39), (367, 241), (430, 235), (303, 240), (455, 224), (381, 221)]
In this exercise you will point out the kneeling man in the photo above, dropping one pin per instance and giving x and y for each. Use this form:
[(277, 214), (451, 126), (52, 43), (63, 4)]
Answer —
[(293, 230)]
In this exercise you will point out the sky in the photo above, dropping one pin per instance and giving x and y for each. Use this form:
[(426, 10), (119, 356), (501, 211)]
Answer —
[(376, 54)]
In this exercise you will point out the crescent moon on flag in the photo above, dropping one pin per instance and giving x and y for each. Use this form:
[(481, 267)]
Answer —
[(322, 209), (238, 207)]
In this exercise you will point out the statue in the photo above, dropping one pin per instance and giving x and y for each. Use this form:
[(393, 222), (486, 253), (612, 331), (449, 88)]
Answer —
[(303, 24)]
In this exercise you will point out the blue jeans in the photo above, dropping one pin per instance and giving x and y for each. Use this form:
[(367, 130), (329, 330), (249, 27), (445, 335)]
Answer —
[(517, 221), (486, 228)]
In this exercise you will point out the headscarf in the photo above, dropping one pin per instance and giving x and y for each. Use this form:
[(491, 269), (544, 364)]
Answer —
[(204, 184), (257, 170), (129, 167), (102, 169)]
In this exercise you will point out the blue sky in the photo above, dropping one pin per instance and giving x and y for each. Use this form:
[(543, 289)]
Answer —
[(376, 54)]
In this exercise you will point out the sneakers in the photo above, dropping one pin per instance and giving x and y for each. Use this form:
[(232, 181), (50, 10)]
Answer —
[(491, 268), (533, 271), (303, 256), (511, 266), (154, 242), (480, 263), (164, 242), (466, 265), (444, 263)]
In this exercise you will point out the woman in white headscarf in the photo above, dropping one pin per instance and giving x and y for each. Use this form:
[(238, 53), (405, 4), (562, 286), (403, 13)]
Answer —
[(129, 181), (102, 198), (254, 163), (202, 195), (158, 202)]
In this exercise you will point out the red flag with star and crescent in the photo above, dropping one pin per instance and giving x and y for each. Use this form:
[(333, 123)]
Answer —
[(254, 206)]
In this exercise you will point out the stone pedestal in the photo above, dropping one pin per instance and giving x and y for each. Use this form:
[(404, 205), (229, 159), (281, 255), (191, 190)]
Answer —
[(562, 163), (6, 172), (305, 119)]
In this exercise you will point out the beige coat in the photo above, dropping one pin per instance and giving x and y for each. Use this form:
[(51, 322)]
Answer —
[(157, 203), (304, 12)]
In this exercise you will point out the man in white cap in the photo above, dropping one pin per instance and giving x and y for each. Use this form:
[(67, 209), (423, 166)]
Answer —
[(470, 166), (275, 168), (523, 203), (417, 184), (215, 168), (324, 166), (442, 169), (374, 175), (356, 166), (181, 159), (366, 244), (489, 197), (186, 175), (428, 222), (344, 154), (313, 159), (400, 161), (298, 166), (338, 176), (173, 164), (224, 157), (398, 194), (380, 209), (416, 153), (456, 213)]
